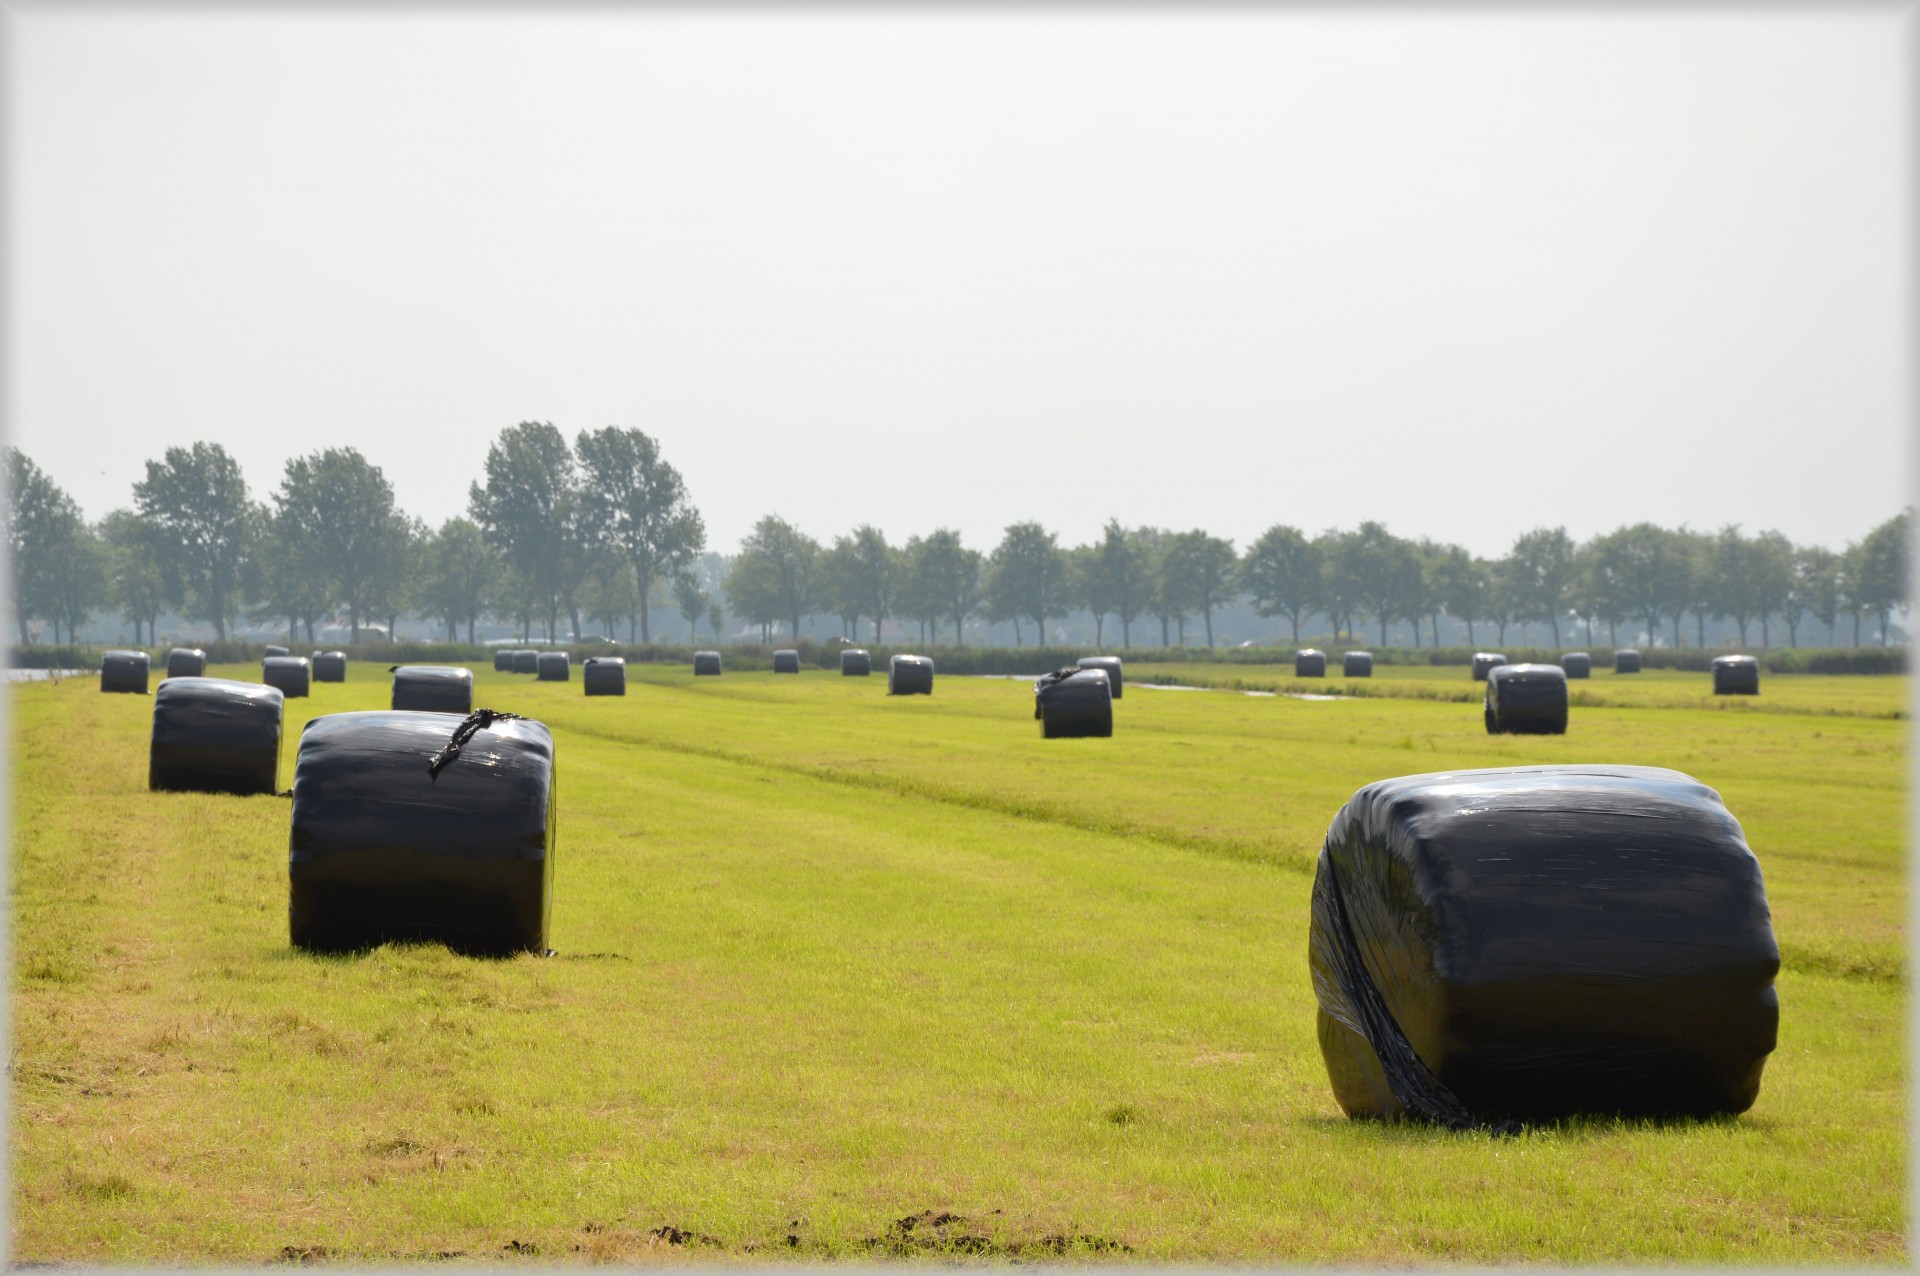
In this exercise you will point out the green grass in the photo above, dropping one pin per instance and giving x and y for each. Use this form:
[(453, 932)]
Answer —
[(830, 961)]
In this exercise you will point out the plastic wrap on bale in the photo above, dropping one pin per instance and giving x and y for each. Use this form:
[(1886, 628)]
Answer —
[(290, 674), (1578, 664), (433, 689), (1111, 665), (1736, 676), (856, 662), (1535, 943), (1485, 662), (1626, 660), (1073, 703), (273, 649), (706, 664), (381, 850), (214, 735), (526, 660), (124, 671), (554, 666), (503, 661), (910, 676), (1309, 662), (1526, 700), (186, 662), (786, 660), (329, 666), (604, 675), (1357, 664)]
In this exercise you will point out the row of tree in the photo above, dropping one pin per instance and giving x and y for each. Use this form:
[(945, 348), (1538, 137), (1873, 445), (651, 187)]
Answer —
[(596, 531)]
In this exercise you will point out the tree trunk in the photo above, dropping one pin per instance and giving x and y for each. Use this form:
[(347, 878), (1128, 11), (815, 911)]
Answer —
[(1164, 641), (1018, 641), (1126, 633), (1293, 618), (1209, 614), (1765, 634), (1183, 630), (1885, 618), (1471, 640), (1383, 629), (1099, 631)]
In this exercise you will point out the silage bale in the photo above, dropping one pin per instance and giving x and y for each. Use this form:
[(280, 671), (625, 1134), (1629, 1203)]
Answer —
[(1626, 660), (1736, 676), (384, 849), (526, 660), (186, 662), (1485, 662), (1534, 943), (706, 664), (433, 689), (1309, 662), (503, 661), (910, 676), (1357, 664), (1578, 664), (855, 662), (214, 735), (554, 666), (1073, 702), (604, 675), (1111, 664), (124, 671), (288, 673), (329, 666), (786, 660), (273, 649), (1526, 700)]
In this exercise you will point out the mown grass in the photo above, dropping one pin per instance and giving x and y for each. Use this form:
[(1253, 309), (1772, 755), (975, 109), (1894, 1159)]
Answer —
[(828, 962)]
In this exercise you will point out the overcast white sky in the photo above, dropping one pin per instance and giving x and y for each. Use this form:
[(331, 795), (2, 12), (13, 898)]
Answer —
[(1463, 273)]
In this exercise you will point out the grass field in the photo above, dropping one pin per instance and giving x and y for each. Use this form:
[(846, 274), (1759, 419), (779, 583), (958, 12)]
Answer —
[(840, 975)]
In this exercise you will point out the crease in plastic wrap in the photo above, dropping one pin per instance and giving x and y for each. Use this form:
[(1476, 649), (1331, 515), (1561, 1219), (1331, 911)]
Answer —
[(786, 660), (186, 662), (706, 664), (215, 735), (1073, 703), (910, 676), (856, 662), (1529, 944), (383, 850), (432, 688), (1526, 700), (124, 671), (604, 676), (1309, 662), (1111, 665)]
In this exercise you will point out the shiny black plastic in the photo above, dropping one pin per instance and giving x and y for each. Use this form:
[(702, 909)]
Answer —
[(124, 671), (288, 673), (1111, 664), (1357, 664), (554, 666), (1484, 662), (1526, 700), (503, 661), (382, 851), (1736, 676), (910, 676), (706, 664), (1073, 703), (433, 689), (855, 662), (273, 649), (1626, 660), (214, 735), (604, 675), (329, 666), (1578, 664), (1309, 662), (186, 662), (1533, 943), (786, 660), (526, 661)]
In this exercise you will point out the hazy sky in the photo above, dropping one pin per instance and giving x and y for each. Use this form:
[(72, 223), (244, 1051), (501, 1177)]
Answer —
[(1463, 273)]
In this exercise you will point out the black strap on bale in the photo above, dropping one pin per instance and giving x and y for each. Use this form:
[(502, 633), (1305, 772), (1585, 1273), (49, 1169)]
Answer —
[(478, 720)]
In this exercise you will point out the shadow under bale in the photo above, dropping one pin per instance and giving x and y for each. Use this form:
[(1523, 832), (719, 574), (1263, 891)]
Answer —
[(383, 850), (1526, 700), (1111, 664), (186, 662), (1357, 664), (706, 664), (526, 660), (786, 660), (433, 689), (856, 662), (329, 666), (1578, 664), (604, 675), (214, 735), (288, 673), (554, 666), (124, 671), (1309, 662), (1736, 676), (1538, 943), (910, 676), (1484, 662), (1073, 703), (1626, 660)]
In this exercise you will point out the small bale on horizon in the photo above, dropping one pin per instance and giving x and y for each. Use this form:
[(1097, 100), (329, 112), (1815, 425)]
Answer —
[(1736, 676), (786, 660), (553, 666), (1357, 664), (1111, 664), (856, 662), (125, 671), (432, 689), (1309, 662), (604, 675), (910, 676), (1526, 700), (1626, 660), (215, 735), (1578, 664), (288, 673), (706, 664), (503, 661), (526, 660)]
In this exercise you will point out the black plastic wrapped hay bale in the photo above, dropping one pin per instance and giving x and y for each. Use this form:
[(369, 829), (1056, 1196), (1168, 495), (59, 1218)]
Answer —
[(1309, 662), (503, 661), (382, 850), (1578, 664), (213, 735), (1357, 664), (1526, 700), (526, 661), (186, 662), (433, 689), (910, 676), (289, 673), (1626, 660), (786, 660), (604, 675), (124, 671), (1073, 703), (1534, 943), (555, 666), (1111, 665), (273, 649), (855, 662), (706, 664), (1484, 662), (329, 666), (1736, 676)]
